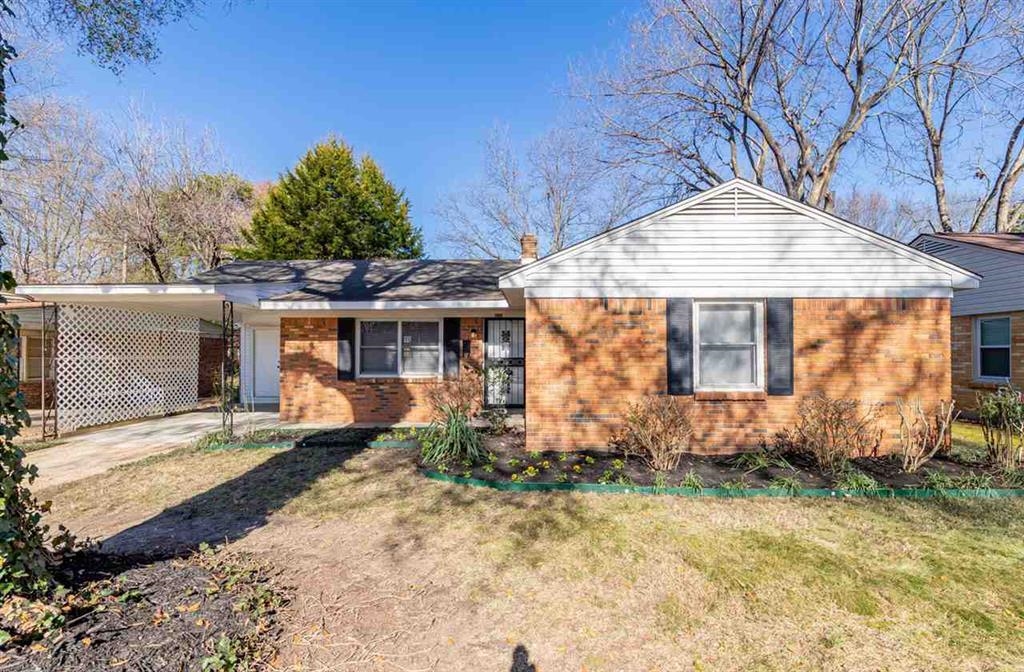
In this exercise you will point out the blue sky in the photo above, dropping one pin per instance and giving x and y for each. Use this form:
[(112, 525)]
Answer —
[(416, 85)]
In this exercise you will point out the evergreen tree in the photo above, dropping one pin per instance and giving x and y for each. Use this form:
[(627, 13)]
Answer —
[(332, 207)]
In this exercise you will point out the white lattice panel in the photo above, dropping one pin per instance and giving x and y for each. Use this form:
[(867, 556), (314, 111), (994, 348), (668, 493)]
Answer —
[(115, 365)]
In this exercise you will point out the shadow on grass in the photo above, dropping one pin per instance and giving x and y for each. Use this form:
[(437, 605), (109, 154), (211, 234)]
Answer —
[(234, 508)]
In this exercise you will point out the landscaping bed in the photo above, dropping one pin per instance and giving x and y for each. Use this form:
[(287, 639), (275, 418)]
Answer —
[(508, 462), (209, 611)]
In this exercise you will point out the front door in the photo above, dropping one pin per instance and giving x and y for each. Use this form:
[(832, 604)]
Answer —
[(266, 369), (505, 363)]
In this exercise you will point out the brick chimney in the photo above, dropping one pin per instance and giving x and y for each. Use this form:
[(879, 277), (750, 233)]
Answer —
[(529, 245)]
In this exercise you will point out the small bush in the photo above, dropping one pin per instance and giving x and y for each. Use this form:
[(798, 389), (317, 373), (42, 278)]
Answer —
[(923, 434), (788, 484), (852, 479), (451, 439), (693, 481), (759, 460), (462, 394), (1002, 422), (834, 430), (658, 431)]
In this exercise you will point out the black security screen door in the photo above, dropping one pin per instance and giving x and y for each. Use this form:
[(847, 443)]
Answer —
[(505, 363)]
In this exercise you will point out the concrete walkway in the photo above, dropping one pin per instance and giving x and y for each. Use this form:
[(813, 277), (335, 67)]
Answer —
[(94, 451)]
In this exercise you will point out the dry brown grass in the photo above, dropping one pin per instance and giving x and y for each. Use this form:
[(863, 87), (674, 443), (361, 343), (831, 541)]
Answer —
[(396, 572)]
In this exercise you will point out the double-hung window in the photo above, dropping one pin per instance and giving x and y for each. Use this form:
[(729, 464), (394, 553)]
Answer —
[(399, 348), (992, 348), (729, 345)]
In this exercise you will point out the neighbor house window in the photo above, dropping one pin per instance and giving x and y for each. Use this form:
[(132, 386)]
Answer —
[(393, 348), (728, 345), (31, 356), (992, 358)]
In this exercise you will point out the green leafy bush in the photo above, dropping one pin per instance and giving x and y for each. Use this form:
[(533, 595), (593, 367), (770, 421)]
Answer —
[(1002, 422), (658, 430), (852, 479), (26, 548), (788, 484), (693, 481)]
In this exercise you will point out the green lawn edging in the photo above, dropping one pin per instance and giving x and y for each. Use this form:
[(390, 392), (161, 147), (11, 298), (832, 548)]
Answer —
[(880, 493)]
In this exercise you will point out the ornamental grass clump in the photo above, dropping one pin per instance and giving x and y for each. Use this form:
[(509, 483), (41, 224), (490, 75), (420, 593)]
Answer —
[(658, 431), (452, 439), (1002, 423)]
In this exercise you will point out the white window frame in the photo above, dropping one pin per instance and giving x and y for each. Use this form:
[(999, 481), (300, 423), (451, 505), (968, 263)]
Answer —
[(23, 336), (759, 346), (400, 374), (977, 347)]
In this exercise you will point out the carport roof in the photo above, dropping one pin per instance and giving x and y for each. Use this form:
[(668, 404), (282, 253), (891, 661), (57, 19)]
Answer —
[(368, 280)]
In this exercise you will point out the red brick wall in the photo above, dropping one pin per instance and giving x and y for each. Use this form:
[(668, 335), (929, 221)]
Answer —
[(32, 391), (587, 362), (210, 351), (311, 391), (965, 388)]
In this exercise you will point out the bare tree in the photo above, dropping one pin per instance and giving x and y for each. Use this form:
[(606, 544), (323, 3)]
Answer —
[(558, 191), (772, 90), (898, 218), (172, 207), (964, 86), (48, 193)]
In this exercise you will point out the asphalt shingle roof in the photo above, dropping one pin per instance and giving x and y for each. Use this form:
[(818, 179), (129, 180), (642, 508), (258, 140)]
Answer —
[(1007, 242), (369, 280)]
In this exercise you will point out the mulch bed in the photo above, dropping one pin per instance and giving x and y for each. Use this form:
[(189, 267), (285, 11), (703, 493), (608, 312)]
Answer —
[(511, 463), (140, 613)]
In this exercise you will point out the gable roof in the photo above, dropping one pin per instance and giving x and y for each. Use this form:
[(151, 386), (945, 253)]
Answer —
[(712, 217), (1005, 242), (367, 280)]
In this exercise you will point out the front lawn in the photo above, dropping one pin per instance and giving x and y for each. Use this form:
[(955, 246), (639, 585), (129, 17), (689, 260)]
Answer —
[(392, 571)]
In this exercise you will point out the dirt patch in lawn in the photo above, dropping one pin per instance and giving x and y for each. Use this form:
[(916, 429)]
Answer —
[(145, 613)]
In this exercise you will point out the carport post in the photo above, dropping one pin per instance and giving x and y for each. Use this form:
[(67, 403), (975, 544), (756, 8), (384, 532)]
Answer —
[(227, 368), (48, 383)]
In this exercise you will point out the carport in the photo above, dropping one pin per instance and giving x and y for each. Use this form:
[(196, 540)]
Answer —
[(118, 352)]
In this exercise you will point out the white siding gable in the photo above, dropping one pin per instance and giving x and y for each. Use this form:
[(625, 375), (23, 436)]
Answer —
[(738, 240), (1002, 281)]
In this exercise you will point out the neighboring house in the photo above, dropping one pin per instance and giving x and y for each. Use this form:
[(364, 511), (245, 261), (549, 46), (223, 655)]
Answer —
[(988, 322), (738, 301)]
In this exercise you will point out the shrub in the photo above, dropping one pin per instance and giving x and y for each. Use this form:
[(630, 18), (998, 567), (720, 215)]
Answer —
[(852, 479), (923, 435), (833, 430), (788, 484), (1002, 423), (658, 431), (462, 394), (693, 481), (452, 439)]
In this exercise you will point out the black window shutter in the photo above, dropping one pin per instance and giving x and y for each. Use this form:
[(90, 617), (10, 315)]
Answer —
[(679, 346), (780, 346), (346, 348), (452, 346)]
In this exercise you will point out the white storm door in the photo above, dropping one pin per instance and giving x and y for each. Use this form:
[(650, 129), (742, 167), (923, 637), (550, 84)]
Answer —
[(266, 363)]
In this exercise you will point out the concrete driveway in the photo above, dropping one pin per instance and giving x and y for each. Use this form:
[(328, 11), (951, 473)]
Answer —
[(94, 451)]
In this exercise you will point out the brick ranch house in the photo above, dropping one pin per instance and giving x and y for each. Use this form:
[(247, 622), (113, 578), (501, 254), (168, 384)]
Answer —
[(737, 301), (988, 322)]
